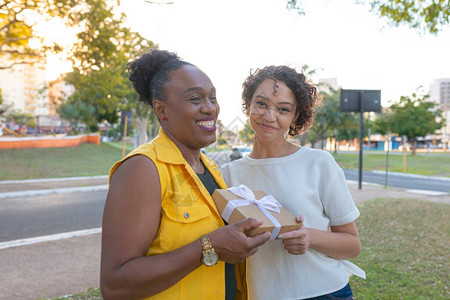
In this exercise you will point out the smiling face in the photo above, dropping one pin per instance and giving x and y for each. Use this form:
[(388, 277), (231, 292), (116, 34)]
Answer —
[(189, 113), (272, 110)]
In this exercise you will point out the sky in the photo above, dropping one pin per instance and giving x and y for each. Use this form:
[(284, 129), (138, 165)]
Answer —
[(340, 39)]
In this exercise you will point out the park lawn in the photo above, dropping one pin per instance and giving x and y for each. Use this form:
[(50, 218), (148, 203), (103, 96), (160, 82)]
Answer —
[(89, 159), (93, 293), (404, 251), (84, 160), (435, 164)]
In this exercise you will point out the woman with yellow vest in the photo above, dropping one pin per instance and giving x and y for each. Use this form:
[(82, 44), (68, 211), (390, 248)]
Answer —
[(163, 237)]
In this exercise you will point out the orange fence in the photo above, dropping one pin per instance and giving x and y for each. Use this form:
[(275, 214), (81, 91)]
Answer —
[(48, 142)]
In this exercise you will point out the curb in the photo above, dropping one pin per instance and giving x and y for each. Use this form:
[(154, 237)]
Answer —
[(412, 191), (47, 238), (30, 193), (54, 179), (411, 175)]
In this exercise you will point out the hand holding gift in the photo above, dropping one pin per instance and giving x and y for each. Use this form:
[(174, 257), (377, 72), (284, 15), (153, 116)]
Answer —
[(238, 203), (296, 241), (233, 245)]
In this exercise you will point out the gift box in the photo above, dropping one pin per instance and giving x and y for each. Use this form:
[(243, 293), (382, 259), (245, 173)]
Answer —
[(232, 212)]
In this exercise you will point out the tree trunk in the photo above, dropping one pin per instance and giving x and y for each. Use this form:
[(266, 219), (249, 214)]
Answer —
[(141, 125), (414, 146), (155, 127)]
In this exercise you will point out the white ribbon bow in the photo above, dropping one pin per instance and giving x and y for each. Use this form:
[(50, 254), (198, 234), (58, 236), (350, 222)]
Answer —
[(268, 202)]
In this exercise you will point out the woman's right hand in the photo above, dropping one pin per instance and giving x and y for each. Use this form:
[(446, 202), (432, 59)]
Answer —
[(233, 245)]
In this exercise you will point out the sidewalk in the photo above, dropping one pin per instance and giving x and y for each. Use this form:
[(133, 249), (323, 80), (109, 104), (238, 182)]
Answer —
[(52, 268), (57, 268), (9, 186)]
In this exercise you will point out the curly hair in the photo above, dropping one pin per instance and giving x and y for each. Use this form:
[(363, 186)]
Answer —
[(305, 93), (149, 74)]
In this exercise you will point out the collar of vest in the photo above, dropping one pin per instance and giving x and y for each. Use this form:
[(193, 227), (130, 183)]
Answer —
[(166, 150)]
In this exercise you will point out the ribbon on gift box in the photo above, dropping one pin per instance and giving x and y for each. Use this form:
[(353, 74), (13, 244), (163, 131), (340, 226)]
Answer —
[(266, 203)]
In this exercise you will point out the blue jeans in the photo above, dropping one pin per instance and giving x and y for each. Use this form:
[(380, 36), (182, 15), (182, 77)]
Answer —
[(343, 294)]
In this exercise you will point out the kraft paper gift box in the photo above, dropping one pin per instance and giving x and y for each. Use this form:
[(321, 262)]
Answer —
[(286, 220)]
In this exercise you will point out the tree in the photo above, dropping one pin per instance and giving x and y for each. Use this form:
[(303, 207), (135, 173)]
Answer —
[(329, 118), (75, 113), (428, 15), (348, 128), (413, 116), (142, 116), (100, 57), (17, 28), (220, 133), (246, 134), (383, 123)]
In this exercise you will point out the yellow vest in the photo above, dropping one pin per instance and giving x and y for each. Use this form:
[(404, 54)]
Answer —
[(188, 211)]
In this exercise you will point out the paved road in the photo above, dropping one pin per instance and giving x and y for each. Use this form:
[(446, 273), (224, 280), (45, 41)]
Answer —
[(27, 217), (30, 216), (408, 181)]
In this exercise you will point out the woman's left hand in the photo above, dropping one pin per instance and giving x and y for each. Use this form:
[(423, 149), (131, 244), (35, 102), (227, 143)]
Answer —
[(297, 241), (342, 242)]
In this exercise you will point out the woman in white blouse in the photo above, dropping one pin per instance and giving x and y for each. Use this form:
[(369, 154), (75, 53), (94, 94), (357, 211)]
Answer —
[(309, 263)]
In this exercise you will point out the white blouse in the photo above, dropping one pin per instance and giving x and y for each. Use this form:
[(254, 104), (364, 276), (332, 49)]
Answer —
[(307, 182)]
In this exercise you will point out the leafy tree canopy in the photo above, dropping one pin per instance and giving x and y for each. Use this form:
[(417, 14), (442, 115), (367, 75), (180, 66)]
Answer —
[(76, 113), (99, 60), (246, 134), (428, 15), (18, 20), (383, 123), (329, 118), (413, 116)]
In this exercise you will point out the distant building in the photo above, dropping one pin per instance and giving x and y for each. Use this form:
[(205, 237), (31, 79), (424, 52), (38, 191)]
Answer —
[(58, 91), (327, 84), (25, 90), (440, 93), (24, 86)]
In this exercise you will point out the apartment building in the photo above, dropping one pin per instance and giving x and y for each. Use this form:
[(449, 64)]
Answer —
[(24, 87), (440, 93)]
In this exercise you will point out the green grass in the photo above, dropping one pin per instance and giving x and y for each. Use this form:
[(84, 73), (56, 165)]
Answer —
[(92, 293), (423, 164), (89, 159), (405, 251), (84, 160)]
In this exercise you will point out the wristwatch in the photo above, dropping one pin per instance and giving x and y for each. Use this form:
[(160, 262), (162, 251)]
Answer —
[(209, 255)]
